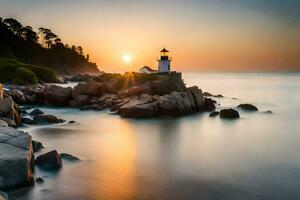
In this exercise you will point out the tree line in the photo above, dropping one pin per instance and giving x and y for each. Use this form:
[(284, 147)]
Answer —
[(42, 47)]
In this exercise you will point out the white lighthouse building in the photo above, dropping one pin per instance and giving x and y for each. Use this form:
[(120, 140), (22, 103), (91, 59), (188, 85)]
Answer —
[(164, 63)]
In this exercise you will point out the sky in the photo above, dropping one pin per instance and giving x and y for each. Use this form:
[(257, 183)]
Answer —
[(202, 35)]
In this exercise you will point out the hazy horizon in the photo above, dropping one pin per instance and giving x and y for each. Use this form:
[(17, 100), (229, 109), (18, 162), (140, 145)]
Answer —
[(219, 35)]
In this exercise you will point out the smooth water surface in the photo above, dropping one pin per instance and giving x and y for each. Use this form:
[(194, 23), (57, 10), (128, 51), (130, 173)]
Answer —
[(192, 157)]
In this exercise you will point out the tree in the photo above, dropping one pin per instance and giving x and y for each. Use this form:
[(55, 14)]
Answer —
[(48, 36), (80, 50), (28, 34), (13, 25)]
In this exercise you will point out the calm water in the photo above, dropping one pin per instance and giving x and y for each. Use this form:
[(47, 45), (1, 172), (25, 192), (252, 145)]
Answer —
[(193, 157)]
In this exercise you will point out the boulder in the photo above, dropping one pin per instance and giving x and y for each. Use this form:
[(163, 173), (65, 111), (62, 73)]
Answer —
[(50, 160), (80, 100), (229, 114), (27, 120), (208, 105), (3, 196), (214, 113), (39, 180), (36, 112), (79, 89), (140, 111), (248, 107), (10, 122), (69, 157), (37, 146), (16, 163), (56, 95), (6, 105), (45, 119), (95, 88), (166, 86), (3, 123), (207, 94), (17, 96), (197, 95)]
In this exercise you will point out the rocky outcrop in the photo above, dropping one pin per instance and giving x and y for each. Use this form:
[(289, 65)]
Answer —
[(56, 95), (248, 107), (50, 160), (229, 114), (16, 158), (10, 112), (174, 104)]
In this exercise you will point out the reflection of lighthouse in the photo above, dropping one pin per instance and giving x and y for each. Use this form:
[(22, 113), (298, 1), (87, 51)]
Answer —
[(164, 63)]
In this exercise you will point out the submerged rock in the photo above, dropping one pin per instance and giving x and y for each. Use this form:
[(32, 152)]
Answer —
[(45, 119), (39, 180), (50, 160), (248, 107), (16, 163), (27, 120), (214, 113), (229, 114), (36, 112), (37, 146), (69, 157)]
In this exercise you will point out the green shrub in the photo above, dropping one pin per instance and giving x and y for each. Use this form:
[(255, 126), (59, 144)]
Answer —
[(44, 74), (10, 72), (24, 76)]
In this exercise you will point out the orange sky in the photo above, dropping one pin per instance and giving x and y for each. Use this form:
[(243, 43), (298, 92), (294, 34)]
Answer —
[(219, 35)]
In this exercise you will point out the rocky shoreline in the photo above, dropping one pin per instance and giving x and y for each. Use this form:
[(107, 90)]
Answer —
[(166, 96)]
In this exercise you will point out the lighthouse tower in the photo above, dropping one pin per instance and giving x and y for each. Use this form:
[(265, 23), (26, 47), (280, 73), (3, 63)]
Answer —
[(164, 63)]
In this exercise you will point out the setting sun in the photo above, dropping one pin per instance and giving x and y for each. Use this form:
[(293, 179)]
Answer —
[(127, 58)]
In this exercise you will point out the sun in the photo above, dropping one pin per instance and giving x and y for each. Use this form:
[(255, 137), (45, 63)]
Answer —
[(127, 58)]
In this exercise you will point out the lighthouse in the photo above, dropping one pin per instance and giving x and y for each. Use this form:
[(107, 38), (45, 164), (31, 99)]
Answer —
[(164, 63)]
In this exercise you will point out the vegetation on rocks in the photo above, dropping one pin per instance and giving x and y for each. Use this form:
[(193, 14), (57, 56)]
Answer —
[(13, 71)]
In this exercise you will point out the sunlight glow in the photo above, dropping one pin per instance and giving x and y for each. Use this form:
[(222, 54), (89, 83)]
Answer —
[(127, 58)]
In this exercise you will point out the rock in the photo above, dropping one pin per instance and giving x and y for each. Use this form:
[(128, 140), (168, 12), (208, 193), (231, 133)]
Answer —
[(36, 146), (27, 120), (31, 99), (208, 105), (36, 112), (139, 111), (229, 114), (198, 96), (45, 119), (56, 95), (69, 157), (162, 87), (3, 123), (248, 107), (268, 112), (136, 90), (219, 96), (207, 94), (79, 89), (50, 160), (10, 122), (17, 96), (3, 196), (95, 88), (72, 122), (80, 100), (16, 163), (214, 113), (5, 106), (39, 180)]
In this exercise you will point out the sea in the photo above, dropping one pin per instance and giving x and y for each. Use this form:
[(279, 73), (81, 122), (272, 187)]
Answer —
[(184, 158)]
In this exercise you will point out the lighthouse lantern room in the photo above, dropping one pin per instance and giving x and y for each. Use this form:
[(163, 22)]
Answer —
[(164, 63)]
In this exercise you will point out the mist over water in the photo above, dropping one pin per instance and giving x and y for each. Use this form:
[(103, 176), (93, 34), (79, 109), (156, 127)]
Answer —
[(191, 157)]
